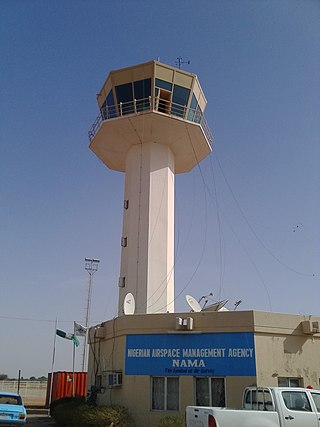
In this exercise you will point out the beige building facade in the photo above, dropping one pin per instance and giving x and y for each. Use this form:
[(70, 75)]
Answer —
[(157, 364)]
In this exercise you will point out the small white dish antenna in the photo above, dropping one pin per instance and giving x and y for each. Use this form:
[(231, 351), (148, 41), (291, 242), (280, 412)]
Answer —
[(217, 306), (193, 303), (129, 304)]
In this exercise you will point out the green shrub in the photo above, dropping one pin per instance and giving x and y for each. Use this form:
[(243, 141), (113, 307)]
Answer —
[(67, 414), (77, 400), (105, 416), (172, 421), (73, 414)]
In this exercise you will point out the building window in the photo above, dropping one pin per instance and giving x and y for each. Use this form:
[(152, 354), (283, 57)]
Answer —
[(210, 391), (165, 393), (163, 84), (125, 98), (179, 100), (142, 91), (195, 113), (108, 110), (289, 382)]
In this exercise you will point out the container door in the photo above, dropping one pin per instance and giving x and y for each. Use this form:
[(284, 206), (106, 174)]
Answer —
[(297, 411)]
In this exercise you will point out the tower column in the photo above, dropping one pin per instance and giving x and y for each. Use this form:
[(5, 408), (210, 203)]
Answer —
[(147, 256), (151, 126)]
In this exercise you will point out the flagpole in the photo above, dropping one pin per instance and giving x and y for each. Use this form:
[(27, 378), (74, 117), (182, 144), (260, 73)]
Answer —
[(53, 360)]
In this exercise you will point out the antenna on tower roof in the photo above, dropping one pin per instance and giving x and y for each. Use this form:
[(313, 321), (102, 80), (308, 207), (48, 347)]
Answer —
[(179, 62)]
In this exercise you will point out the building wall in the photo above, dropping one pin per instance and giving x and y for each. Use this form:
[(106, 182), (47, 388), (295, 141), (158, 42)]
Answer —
[(282, 349)]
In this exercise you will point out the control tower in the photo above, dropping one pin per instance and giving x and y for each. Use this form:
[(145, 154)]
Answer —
[(151, 126)]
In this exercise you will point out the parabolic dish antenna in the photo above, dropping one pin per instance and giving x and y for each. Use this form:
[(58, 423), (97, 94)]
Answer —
[(129, 304), (217, 306), (193, 303)]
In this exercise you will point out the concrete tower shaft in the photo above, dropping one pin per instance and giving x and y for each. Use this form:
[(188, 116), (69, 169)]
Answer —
[(148, 257), (151, 126)]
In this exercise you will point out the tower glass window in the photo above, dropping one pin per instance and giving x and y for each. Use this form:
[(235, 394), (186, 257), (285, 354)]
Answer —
[(125, 96), (179, 100), (142, 91), (111, 106), (108, 110), (162, 84), (195, 111)]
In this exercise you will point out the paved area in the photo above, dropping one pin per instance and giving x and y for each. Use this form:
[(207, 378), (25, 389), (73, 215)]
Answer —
[(38, 417), (40, 421)]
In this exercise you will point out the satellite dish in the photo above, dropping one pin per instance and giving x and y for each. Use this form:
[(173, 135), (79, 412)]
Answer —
[(193, 303), (217, 306), (129, 304)]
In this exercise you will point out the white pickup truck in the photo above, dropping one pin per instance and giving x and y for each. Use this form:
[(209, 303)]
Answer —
[(262, 407)]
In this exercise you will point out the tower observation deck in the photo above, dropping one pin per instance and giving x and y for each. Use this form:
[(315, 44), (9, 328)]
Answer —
[(151, 126)]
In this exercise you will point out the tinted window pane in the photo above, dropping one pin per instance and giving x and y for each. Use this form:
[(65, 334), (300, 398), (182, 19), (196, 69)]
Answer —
[(125, 95), (194, 102), (163, 84), (110, 100), (180, 95), (111, 107), (193, 109), (142, 91), (104, 110), (179, 100)]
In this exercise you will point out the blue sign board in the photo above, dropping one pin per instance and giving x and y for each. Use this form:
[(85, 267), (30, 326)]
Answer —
[(220, 354)]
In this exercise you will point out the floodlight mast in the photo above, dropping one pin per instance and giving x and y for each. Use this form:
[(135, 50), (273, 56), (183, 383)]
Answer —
[(91, 266)]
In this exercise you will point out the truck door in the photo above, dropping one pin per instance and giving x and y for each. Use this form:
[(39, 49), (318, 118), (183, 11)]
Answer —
[(297, 411), (316, 400)]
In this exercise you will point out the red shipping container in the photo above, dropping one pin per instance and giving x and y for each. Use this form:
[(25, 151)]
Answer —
[(62, 385)]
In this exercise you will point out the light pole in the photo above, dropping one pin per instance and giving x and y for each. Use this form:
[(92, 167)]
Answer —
[(91, 265)]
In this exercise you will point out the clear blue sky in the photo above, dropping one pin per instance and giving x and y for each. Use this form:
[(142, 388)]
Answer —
[(247, 220)]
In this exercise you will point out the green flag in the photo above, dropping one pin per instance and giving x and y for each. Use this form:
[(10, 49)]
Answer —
[(75, 340), (68, 336)]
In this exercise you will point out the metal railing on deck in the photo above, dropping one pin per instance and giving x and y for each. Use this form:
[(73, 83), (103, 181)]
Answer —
[(151, 104)]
